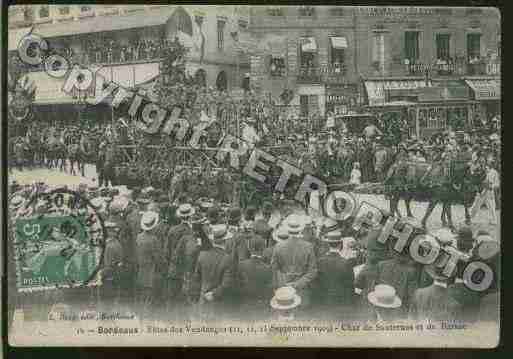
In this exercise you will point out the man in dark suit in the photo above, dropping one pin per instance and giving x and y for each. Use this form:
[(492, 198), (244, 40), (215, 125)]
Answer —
[(149, 257), (212, 282), (183, 257), (255, 282), (294, 263), (110, 273), (434, 302), (175, 249), (334, 292)]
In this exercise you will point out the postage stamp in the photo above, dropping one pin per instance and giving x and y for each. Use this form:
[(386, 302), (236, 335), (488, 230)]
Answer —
[(254, 175), (59, 241)]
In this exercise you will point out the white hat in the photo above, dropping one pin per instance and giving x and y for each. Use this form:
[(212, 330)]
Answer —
[(280, 234), (149, 220), (384, 296), (285, 298), (220, 233), (185, 210), (294, 224)]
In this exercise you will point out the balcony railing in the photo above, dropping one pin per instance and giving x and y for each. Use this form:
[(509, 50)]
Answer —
[(329, 74), (455, 68)]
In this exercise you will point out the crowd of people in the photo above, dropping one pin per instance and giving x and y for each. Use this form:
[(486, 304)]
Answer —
[(204, 260)]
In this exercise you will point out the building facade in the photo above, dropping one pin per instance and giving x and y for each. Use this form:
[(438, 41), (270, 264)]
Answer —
[(421, 63), (125, 42)]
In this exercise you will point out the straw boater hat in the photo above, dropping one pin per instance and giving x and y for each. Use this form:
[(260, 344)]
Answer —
[(185, 210), (285, 298), (294, 224), (149, 220), (280, 234), (384, 296), (332, 237), (205, 203), (220, 233)]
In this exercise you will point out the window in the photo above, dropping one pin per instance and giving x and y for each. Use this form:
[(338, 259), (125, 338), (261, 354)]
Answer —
[(307, 51), (411, 46), (306, 11), (336, 12), (64, 10), (85, 8), (220, 34), (473, 46), (277, 67), (337, 53), (44, 11), (275, 11), (378, 52), (443, 46), (303, 105)]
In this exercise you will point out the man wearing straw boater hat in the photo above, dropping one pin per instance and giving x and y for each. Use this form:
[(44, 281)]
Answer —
[(400, 271), (212, 282), (285, 303), (385, 302), (334, 294), (293, 262), (149, 257)]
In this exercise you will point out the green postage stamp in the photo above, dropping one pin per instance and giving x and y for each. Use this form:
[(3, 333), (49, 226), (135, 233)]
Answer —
[(60, 249)]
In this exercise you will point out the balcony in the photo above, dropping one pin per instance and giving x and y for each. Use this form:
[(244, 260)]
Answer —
[(329, 74), (334, 74), (455, 68), (309, 75)]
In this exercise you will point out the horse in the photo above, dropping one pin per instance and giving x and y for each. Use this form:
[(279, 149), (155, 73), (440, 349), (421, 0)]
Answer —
[(445, 182), (466, 183)]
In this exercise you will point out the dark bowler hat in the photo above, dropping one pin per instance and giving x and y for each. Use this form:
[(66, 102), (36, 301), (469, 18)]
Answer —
[(262, 228), (234, 214), (213, 214)]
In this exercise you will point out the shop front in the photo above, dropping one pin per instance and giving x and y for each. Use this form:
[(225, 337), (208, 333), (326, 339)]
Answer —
[(341, 100), (487, 92)]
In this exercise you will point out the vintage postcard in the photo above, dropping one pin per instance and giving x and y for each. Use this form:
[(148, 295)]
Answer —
[(285, 176)]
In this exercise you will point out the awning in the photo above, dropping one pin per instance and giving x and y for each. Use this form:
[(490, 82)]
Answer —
[(15, 37), (485, 89), (376, 89), (308, 44), (49, 89), (105, 23), (338, 42), (130, 75)]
